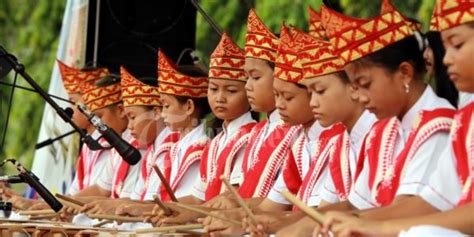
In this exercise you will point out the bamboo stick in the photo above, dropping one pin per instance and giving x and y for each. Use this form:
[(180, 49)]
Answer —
[(315, 215), (37, 212), (163, 207), (116, 218), (239, 199), (197, 210), (165, 183), (169, 228)]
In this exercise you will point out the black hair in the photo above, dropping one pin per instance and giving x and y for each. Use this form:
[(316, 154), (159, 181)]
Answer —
[(212, 124), (271, 64), (390, 57), (342, 75), (444, 86)]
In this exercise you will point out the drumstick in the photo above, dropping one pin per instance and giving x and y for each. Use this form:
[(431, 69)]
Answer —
[(147, 213), (315, 215), (165, 183), (169, 228), (116, 218), (69, 204), (102, 223), (239, 199), (163, 207), (194, 209), (37, 212), (69, 199), (38, 217)]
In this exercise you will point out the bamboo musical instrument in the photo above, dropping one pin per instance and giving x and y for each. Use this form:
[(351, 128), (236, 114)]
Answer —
[(163, 207), (116, 218), (197, 210), (239, 199), (169, 228), (165, 183), (315, 215), (37, 212), (70, 199)]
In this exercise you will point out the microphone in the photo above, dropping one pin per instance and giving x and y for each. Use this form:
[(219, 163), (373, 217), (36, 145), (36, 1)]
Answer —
[(14, 179), (129, 153), (31, 179)]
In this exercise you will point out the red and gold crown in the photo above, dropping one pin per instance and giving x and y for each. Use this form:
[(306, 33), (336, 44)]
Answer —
[(316, 55), (172, 82), (315, 26), (355, 38), (227, 61), (387, 6), (288, 66), (73, 77), (260, 42), (98, 97), (135, 92), (451, 13)]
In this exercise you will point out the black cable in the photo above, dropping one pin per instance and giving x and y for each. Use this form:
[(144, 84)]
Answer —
[(10, 102), (31, 90)]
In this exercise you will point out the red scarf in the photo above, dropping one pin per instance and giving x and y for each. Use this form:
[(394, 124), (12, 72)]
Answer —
[(193, 154), (150, 159), (122, 171), (339, 165), (326, 148), (213, 166), (430, 123), (84, 168), (293, 166), (462, 136), (261, 166)]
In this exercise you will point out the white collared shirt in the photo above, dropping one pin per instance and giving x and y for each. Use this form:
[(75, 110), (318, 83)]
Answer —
[(106, 178), (356, 135), (310, 145), (154, 182), (199, 189), (422, 163)]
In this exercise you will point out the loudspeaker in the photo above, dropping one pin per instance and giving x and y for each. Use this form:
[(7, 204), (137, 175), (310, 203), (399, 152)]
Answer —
[(132, 31)]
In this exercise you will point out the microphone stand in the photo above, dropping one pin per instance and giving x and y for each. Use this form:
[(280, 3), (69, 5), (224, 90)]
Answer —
[(20, 69), (50, 141), (31, 90)]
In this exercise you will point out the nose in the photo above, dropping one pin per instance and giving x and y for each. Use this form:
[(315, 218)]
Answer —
[(220, 97), (279, 103), (249, 85), (363, 97), (448, 57), (314, 103)]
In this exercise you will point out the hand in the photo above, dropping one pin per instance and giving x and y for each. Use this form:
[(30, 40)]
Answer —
[(345, 224), (21, 203), (303, 227), (39, 205), (133, 209), (178, 216), (269, 223), (105, 206), (222, 202), (217, 226)]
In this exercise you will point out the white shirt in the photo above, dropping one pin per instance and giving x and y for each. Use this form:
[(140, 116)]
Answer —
[(465, 99), (199, 189), (422, 163), (310, 145), (97, 167), (356, 136), (105, 180), (154, 182), (185, 186)]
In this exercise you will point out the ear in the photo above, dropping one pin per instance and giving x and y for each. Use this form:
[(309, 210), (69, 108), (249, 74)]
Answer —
[(157, 112), (353, 91), (189, 107), (121, 111), (407, 72)]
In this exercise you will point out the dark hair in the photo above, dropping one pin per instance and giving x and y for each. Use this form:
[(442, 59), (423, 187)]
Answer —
[(471, 24), (212, 124), (390, 57), (270, 64), (343, 76), (192, 70), (444, 86)]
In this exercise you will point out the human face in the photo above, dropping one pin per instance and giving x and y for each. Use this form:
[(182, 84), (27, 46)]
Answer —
[(380, 91), (259, 85), (114, 116), (144, 123), (429, 60), (459, 44), (78, 117), (292, 102), (227, 99), (331, 99), (175, 114)]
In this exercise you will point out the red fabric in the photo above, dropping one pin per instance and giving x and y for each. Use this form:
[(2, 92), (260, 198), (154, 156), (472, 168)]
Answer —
[(121, 175), (225, 159), (341, 176), (387, 189), (463, 151)]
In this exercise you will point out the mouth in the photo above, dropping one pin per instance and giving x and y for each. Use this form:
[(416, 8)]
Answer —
[(371, 109), (453, 76), (220, 109)]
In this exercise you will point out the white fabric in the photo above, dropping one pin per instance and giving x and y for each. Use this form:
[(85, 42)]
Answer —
[(310, 145), (106, 178), (430, 230), (420, 166), (185, 186), (465, 99), (356, 135), (98, 168), (153, 184), (199, 188)]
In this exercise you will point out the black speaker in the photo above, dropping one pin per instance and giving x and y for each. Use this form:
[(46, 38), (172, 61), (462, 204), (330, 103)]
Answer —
[(132, 31)]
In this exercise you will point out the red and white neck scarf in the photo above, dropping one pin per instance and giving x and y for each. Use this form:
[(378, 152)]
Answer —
[(122, 171), (87, 162)]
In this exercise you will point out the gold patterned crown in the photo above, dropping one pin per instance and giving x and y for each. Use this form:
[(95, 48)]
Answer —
[(172, 82), (354, 38), (387, 6), (227, 61), (260, 42), (288, 66), (451, 13), (73, 77), (98, 97), (315, 25), (135, 92)]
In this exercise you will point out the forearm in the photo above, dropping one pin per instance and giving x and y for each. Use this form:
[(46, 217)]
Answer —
[(191, 200), (267, 205), (402, 207), (344, 206), (93, 190)]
